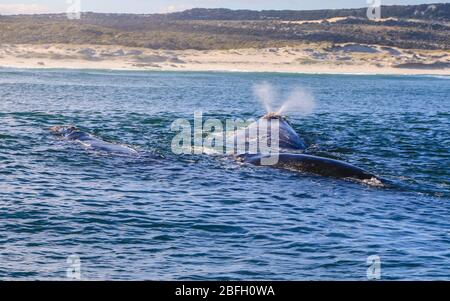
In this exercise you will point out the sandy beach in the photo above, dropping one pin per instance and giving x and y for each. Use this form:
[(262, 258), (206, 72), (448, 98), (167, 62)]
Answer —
[(304, 58)]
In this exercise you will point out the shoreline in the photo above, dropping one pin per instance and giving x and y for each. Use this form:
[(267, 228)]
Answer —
[(416, 72), (345, 59)]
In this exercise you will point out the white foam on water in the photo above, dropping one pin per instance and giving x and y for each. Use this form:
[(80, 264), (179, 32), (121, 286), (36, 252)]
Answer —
[(373, 182)]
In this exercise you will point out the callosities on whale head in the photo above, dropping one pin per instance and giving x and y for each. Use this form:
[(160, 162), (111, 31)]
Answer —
[(63, 130), (288, 137)]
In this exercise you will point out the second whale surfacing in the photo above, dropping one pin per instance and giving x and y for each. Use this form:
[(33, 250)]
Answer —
[(291, 156), (91, 142)]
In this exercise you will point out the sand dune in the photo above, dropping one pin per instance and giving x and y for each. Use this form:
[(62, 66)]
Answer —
[(307, 58)]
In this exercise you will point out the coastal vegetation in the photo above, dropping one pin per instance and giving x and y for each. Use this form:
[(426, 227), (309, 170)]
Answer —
[(413, 27)]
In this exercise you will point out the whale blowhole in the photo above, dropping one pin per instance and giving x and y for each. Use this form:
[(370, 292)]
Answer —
[(274, 115)]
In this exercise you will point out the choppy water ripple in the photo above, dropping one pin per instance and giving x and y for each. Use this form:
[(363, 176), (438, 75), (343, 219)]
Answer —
[(199, 217)]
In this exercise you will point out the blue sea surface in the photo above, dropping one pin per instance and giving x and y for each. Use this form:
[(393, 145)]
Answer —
[(207, 217)]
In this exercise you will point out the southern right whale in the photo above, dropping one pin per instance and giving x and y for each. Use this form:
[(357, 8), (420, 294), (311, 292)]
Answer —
[(91, 142), (288, 139), (313, 164), (291, 155)]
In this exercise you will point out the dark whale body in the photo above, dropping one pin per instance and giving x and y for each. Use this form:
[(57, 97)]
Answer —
[(290, 156), (288, 139), (91, 142), (313, 164)]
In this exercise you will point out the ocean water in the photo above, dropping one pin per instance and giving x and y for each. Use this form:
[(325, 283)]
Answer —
[(206, 217)]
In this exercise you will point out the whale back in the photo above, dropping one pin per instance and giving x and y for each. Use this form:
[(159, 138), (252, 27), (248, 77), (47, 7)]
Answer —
[(289, 138), (260, 131), (313, 164), (91, 142)]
